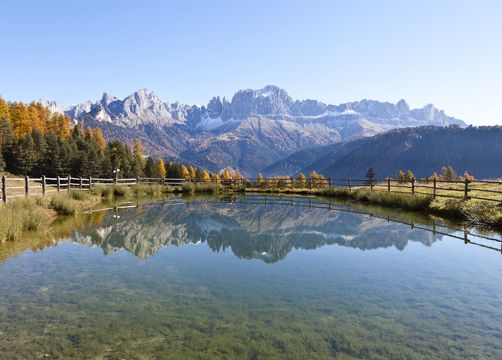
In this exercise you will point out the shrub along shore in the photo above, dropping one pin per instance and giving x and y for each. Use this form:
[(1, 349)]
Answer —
[(32, 213)]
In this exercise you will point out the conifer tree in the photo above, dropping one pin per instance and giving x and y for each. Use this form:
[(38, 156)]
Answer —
[(371, 175), (25, 155), (184, 173), (204, 177), (161, 169), (4, 110), (99, 138), (150, 168), (260, 179), (20, 119), (138, 154), (301, 181)]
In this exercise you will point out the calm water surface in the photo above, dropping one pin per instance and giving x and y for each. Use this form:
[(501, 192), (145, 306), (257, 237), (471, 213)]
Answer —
[(253, 281)]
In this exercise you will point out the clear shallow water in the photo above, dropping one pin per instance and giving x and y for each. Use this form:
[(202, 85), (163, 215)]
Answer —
[(251, 281)]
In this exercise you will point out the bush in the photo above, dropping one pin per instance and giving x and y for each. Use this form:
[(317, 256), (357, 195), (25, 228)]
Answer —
[(20, 215), (79, 195), (188, 188), (63, 205), (120, 191), (403, 201), (207, 188), (103, 191), (34, 218)]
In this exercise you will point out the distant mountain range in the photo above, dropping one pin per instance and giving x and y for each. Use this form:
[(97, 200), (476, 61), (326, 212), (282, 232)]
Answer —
[(422, 150), (253, 130)]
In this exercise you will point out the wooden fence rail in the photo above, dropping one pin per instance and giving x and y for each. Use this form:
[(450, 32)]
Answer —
[(487, 190)]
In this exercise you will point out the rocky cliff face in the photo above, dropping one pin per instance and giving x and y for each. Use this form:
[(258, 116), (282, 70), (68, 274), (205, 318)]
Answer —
[(252, 130)]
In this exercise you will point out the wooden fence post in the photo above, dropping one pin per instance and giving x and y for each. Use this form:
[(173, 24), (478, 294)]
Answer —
[(4, 189), (137, 180), (81, 183), (69, 182), (466, 189), (27, 185), (371, 184), (413, 186), (43, 184), (58, 184), (388, 184), (434, 188), (90, 183)]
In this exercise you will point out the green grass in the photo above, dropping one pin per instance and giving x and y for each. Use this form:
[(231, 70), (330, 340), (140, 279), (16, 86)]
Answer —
[(191, 188), (476, 212), (64, 205), (79, 195), (21, 215)]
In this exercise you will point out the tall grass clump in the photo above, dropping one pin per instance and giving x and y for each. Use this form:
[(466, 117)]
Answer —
[(403, 201), (64, 205), (121, 191), (79, 195), (104, 192), (207, 188), (20, 215), (188, 188)]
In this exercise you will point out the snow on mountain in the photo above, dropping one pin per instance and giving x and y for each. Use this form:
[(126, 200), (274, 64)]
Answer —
[(250, 131)]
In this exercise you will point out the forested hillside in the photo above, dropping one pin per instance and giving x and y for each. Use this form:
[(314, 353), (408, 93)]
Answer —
[(423, 150), (34, 141)]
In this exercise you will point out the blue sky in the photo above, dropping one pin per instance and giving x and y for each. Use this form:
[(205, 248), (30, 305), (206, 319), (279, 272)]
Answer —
[(444, 52)]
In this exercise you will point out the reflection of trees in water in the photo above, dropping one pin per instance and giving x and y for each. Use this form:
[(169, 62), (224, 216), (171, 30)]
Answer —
[(266, 232)]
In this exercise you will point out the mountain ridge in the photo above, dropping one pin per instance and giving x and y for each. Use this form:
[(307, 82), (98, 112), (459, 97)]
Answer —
[(421, 149), (253, 130)]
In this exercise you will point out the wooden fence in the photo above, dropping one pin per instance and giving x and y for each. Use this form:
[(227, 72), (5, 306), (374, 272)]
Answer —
[(487, 190), (14, 187)]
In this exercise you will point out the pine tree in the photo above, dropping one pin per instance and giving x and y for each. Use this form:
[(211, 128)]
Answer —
[(447, 173), (184, 173), (409, 175), (161, 169), (20, 119), (99, 138), (150, 168), (204, 177), (237, 175), (193, 173), (371, 175), (25, 155), (226, 175), (138, 154), (4, 110), (260, 180)]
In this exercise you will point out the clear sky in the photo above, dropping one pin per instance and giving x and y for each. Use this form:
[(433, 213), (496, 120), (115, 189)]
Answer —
[(444, 52)]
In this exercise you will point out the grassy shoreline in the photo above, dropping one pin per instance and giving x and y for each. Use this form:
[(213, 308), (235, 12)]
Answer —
[(27, 214), (32, 213), (474, 212)]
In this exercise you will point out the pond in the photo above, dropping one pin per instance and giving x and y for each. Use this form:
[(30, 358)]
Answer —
[(252, 278)]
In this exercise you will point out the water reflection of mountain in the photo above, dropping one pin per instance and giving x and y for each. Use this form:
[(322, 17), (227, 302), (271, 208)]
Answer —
[(266, 232)]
